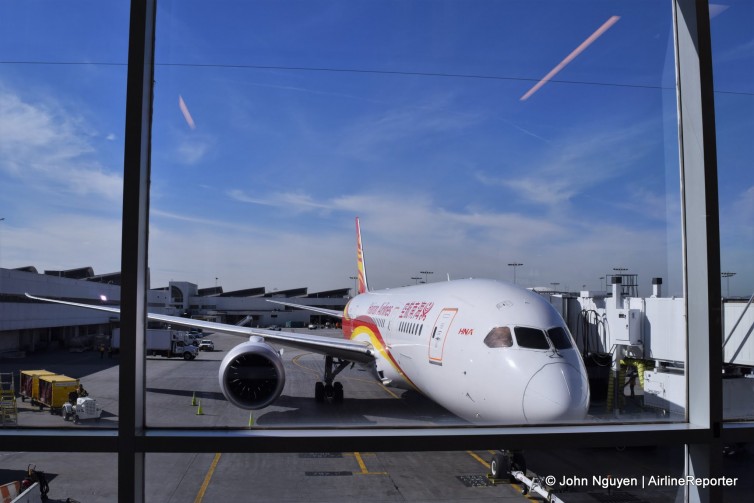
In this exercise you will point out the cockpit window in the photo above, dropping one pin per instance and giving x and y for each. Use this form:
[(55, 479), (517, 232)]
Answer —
[(559, 338), (499, 337), (531, 338)]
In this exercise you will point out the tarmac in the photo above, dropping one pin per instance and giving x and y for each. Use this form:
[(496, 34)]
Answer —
[(177, 388)]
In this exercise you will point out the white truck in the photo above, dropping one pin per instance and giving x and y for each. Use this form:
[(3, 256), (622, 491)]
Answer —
[(163, 342)]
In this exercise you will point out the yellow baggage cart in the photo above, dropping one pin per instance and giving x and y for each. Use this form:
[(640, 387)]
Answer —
[(54, 391), (29, 385)]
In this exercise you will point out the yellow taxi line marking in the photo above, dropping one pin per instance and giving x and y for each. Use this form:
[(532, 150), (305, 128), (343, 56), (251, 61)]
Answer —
[(296, 362), (363, 466), (478, 458), (390, 392), (207, 478)]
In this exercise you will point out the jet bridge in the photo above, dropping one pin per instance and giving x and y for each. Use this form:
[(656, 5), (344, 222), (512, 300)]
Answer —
[(619, 334)]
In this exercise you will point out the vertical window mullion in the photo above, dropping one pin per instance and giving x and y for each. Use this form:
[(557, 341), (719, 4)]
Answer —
[(134, 252), (701, 237)]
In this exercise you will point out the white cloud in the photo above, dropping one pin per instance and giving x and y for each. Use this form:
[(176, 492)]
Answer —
[(402, 236), (47, 147), (63, 241), (373, 136), (193, 149), (293, 201), (556, 174)]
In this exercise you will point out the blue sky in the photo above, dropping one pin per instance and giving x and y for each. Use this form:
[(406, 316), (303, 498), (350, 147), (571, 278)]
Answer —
[(306, 114)]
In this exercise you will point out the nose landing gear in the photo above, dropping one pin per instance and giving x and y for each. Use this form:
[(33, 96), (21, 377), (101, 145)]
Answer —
[(504, 463)]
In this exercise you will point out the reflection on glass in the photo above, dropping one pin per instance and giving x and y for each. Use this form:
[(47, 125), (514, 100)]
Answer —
[(465, 138), (60, 476), (733, 68), (62, 109)]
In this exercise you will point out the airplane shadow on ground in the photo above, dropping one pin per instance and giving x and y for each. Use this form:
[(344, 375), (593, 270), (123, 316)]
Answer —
[(211, 395), (411, 409)]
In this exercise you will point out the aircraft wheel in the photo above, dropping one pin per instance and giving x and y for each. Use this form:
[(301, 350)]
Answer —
[(329, 391), (319, 392), (338, 390), (499, 466)]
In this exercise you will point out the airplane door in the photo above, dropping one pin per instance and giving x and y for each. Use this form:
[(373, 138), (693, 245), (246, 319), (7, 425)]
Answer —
[(439, 333)]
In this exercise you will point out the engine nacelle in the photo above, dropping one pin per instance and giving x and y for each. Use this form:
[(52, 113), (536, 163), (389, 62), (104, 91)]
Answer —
[(252, 375)]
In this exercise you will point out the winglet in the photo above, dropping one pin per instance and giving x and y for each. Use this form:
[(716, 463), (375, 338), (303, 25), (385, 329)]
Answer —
[(363, 285)]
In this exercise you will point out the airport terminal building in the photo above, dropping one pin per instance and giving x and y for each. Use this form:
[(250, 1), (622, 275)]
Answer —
[(28, 326)]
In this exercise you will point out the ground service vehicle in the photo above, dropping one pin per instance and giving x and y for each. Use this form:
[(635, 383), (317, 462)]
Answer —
[(163, 342), (54, 391), (85, 408), (30, 384)]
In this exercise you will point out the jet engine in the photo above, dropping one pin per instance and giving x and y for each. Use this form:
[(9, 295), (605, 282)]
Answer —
[(252, 375)]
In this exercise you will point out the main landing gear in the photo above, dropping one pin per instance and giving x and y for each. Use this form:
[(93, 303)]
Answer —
[(329, 390)]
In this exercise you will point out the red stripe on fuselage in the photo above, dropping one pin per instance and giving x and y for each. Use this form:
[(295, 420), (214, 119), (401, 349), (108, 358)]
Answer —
[(351, 325)]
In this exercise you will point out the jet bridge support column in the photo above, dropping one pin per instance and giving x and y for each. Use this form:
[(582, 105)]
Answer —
[(614, 392)]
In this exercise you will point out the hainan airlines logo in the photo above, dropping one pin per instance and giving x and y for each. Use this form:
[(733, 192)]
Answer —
[(466, 331), (380, 310), (416, 310)]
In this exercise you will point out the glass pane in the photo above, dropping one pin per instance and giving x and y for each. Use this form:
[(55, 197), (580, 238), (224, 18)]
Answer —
[(61, 476), (62, 110), (505, 140), (614, 473), (559, 338), (531, 338), (733, 60)]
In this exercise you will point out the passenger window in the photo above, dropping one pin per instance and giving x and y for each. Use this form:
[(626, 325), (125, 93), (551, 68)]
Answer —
[(499, 337), (559, 338), (531, 338)]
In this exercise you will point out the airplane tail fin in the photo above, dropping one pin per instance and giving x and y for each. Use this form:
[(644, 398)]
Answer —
[(363, 285)]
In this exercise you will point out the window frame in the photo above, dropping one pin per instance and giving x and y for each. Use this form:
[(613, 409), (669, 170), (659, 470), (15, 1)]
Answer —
[(703, 433)]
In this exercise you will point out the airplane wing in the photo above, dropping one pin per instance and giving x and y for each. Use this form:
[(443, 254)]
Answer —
[(355, 351), (321, 310)]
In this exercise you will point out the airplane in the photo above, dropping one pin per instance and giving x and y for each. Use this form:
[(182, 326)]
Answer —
[(488, 351)]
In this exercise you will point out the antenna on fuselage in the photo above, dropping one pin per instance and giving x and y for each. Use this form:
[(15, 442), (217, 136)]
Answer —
[(363, 285)]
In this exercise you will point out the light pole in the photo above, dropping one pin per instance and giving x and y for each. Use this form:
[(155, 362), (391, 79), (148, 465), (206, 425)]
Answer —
[(514, 265), (555, 286), (425, 273), (355, 285), (727, 276), (1, 220), (416, 279)]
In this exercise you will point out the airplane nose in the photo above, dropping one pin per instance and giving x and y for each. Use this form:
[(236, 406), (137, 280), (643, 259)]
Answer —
[(557, 392)]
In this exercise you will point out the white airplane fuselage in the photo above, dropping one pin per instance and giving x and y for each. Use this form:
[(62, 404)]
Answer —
[(434, 338)]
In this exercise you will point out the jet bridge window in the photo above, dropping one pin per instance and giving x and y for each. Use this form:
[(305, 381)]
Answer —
[(559, 338), (531, 338), (499, 337)]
